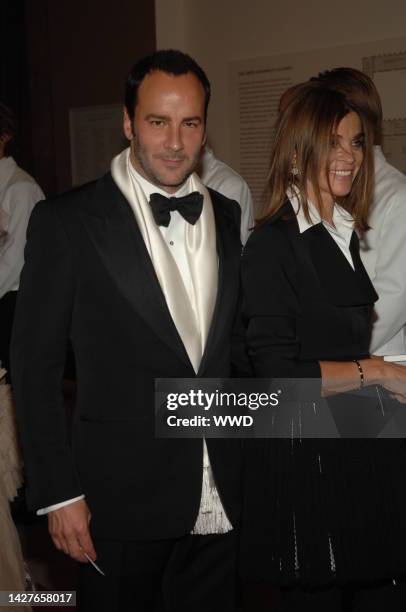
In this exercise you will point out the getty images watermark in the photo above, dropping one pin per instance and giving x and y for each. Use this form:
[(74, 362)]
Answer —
[(272, 408), (227, 403)]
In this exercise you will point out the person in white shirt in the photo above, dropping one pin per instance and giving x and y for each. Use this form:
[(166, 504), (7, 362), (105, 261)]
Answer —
[(383, 252), (18, 194), (383, 246), (219, 176)]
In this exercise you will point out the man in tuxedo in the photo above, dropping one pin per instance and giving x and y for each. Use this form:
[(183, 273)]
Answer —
[(140, 270)]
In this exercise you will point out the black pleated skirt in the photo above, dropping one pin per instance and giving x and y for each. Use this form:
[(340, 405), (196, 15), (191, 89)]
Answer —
[(324, 512)]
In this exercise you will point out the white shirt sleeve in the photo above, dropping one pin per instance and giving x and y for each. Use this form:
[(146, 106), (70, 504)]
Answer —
[(42, 511), (16, 208), (235, 188), (247, 215), (217, 175), (390, 278)]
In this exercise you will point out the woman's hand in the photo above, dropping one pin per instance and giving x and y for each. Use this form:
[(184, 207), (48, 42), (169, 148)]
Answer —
[(343, 376), (394, 381)]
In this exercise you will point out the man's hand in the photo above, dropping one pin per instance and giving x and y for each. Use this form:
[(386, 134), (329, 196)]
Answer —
[(69, 529)]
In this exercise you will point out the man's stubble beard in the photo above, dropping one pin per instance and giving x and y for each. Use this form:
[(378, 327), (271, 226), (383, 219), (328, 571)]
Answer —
[(142, 160)]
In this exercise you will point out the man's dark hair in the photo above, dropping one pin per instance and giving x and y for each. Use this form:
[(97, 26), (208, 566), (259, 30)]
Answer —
[(359, 90), (170, 61), (8, 124)]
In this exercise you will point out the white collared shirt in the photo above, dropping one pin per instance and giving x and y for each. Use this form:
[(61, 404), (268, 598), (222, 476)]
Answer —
[(18, 195), (383, 252), (217, 175), (341, 230)]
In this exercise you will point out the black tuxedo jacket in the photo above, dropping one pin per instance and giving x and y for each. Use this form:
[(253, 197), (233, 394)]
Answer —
[(88, 277)]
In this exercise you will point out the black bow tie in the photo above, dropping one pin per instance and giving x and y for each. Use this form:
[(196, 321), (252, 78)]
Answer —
[(189, 206)]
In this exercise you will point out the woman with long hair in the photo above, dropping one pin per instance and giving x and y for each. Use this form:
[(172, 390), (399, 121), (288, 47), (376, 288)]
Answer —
[(324, 519)]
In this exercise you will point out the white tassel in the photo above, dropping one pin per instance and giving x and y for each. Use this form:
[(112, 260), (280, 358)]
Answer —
[(212, 517)]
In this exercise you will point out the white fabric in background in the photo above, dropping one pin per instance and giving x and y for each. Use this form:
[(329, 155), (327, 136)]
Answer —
[(18, 195), (383, 252), (217, 175)]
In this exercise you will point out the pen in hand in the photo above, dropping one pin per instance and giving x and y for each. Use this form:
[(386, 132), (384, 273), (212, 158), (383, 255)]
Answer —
[(96, 567)]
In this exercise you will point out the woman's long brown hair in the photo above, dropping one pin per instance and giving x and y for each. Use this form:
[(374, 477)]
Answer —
[(303, 136)]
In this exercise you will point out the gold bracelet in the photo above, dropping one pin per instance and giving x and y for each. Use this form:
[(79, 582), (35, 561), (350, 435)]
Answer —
[(361, 373)]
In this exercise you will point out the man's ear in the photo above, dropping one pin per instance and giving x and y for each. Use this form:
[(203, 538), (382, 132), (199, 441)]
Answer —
[(127, 125)]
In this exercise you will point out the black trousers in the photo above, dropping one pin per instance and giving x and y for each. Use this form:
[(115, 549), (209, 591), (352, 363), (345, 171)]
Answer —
[(388, 598), (194, 573), (379, 598), (7, 308)]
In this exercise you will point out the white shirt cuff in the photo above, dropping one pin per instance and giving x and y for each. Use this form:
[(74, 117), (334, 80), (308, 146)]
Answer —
[(60, 505)]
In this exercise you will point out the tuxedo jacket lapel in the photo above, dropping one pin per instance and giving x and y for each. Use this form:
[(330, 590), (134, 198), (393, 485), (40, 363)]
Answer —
[(114, 232)]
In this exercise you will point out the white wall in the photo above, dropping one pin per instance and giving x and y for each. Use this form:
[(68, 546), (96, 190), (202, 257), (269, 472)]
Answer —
[(216, 32)]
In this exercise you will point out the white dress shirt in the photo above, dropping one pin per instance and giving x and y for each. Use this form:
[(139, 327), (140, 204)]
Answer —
[(340, 231), (383, 252), (217, 175), (18, 195)]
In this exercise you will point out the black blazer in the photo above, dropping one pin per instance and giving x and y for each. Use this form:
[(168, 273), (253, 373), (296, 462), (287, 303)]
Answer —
[(88, 277), (303, 302)]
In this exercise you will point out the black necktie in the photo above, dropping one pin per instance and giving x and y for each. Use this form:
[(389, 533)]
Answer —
[(189, 206)]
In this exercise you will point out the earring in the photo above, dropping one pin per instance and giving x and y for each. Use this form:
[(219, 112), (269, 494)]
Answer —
[(295, 170)]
